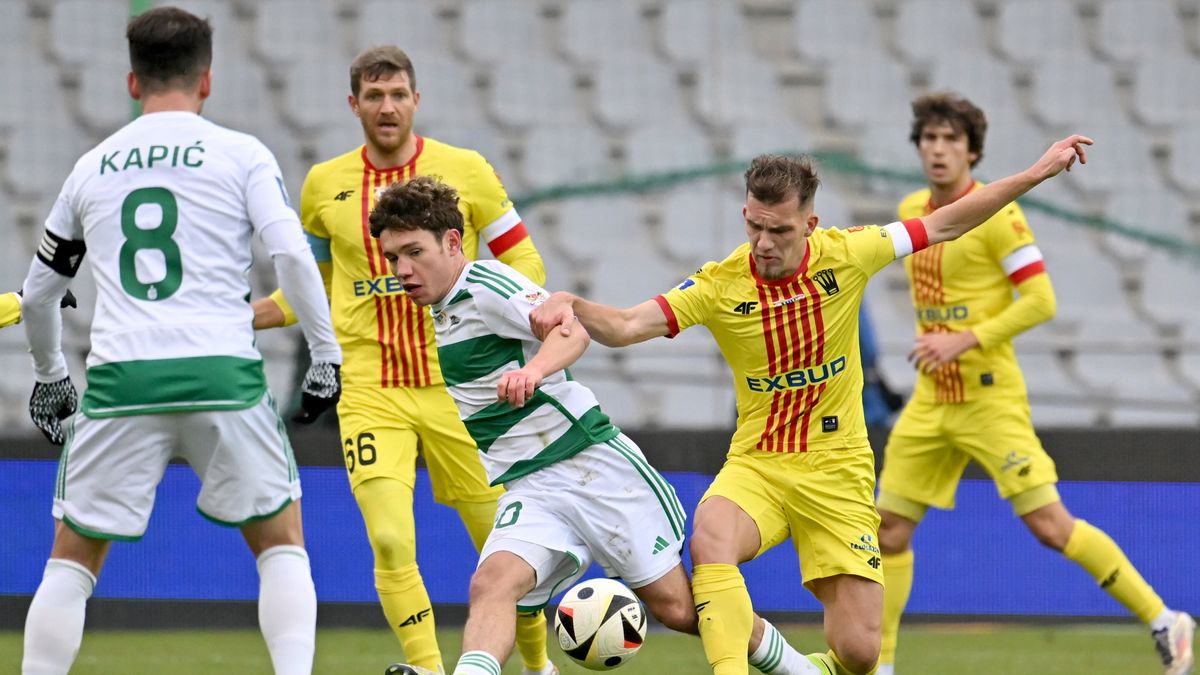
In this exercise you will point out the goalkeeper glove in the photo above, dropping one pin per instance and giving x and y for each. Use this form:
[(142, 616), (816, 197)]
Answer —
[(321, 390), (51, 403)]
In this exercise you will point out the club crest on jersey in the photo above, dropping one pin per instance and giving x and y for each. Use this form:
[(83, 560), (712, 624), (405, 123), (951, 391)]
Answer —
[(535, 297), (827, 280)]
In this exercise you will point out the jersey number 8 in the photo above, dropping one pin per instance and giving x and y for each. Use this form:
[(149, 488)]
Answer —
[(153, 239)]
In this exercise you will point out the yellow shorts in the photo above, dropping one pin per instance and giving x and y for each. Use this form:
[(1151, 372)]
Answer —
[(931, 444), (824, 500), (382, 430)]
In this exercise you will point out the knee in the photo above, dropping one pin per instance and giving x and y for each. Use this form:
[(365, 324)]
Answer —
[(895, 533), (493, 585), (859, 655), (677, 614), (393, 548), (1051, 535), (710, 545)]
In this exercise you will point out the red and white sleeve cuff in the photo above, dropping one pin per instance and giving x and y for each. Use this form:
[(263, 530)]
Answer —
[(1023, 263), (907, 236)]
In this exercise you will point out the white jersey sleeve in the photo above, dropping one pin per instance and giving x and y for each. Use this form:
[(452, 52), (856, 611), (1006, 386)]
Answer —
[(278, 227)]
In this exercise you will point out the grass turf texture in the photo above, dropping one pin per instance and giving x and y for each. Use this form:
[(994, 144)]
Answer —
[(925, 650)]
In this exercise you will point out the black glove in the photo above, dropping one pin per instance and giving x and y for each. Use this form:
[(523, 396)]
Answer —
[(321, 390), (68, 300), (52, 402)]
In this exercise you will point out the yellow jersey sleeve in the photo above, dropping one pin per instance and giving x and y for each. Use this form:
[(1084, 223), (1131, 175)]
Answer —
[(872, 247), (499, 224), (318, 240), (1010, 241), (10, 309), (692, 302)]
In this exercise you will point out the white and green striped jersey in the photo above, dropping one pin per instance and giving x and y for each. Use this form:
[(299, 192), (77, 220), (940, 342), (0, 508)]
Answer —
[(482, 329), (168, 206)]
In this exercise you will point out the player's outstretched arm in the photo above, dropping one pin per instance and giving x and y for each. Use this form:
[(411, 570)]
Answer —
[(557, 352), (610, 326), (54, 398), (956, 219), (297, 272)]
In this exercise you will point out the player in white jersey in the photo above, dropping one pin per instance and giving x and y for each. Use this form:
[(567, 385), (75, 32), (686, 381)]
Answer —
[(577, 489), (166, 207)]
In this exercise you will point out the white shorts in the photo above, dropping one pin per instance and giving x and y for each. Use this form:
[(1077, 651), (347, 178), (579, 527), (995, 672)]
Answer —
[(606, 503), (110, 467)]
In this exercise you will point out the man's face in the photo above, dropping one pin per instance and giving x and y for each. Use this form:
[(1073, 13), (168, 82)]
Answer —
[(386, 107), (778, 235), (944, 154), (424, 265)]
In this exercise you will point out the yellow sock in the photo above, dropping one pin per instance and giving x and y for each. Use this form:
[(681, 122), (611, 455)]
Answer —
[(831, 664), (531, 640), (897, 584), (410, 614), (726, 617), (1097, 553)]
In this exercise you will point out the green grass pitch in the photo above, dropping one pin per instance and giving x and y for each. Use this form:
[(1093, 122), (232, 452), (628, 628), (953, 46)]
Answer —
[(925, 650)]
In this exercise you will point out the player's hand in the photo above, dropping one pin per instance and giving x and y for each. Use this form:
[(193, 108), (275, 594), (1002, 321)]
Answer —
[(321, 390), (556, 312), (517, 386), (934, 350), (1061, 156), (51, 403)]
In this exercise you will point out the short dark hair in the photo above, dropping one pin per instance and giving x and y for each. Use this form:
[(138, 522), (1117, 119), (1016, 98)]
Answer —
[(378, 62), (952, 109), (168, 48), (423, 203), (773, 178)]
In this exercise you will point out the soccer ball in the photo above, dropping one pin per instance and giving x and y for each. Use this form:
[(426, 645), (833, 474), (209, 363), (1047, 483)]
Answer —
[(600, 624)]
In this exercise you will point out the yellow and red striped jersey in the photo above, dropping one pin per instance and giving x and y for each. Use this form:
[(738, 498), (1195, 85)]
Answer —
[(957, 285), (387, 339), (793, 343)]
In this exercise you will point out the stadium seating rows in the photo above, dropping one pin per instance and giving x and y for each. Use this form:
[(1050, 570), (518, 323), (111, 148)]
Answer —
[(570, 91)]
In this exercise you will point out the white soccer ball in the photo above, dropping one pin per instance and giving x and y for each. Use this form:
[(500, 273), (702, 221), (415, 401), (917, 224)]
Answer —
[(600, 624)]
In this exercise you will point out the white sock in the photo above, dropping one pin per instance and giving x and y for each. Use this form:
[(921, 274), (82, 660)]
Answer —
[(287, 609), (54, 625), (775, 656), (885, 669), (1164, 619), (477, 663)]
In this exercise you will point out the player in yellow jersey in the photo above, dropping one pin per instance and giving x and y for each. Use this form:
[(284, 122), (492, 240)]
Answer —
[(970, 400), (784, 311), (393, 399)]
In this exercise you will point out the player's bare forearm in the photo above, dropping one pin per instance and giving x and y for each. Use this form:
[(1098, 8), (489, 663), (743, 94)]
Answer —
[(608, 325), (614, 327), (559, 351), (267, 314), (556, 353), (955, 219)]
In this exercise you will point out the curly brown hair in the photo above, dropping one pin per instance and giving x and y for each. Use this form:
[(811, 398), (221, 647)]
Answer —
[(952, 109), (423, 203), (773, 178)]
